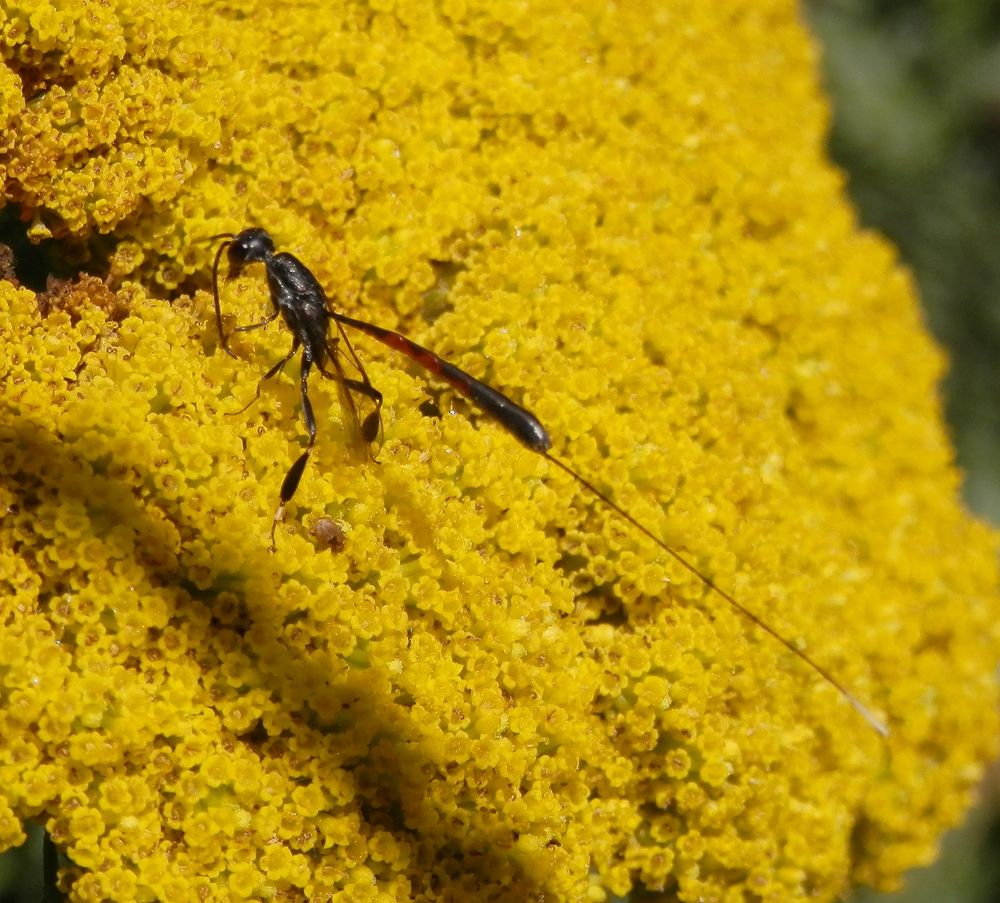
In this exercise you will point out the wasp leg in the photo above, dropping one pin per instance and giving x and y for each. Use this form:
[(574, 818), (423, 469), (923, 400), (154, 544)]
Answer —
[(224, 337), (372, 425), (274, 371), (294, 475), (252, 326)]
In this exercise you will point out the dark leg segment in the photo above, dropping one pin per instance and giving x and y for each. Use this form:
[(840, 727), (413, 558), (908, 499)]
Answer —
[(294, 475), (372, 425), (252, 326), (274, 371)]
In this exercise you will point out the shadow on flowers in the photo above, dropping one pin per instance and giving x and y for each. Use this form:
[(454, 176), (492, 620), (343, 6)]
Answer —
[(250, 749)]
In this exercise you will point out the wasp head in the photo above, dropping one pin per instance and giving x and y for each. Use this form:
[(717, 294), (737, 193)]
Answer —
[(252, 245)]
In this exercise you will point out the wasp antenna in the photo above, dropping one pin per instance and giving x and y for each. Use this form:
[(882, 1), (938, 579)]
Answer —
[(223, 340), (213, 238)]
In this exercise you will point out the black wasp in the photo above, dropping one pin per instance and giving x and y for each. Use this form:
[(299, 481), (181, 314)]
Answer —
[(298, 297)]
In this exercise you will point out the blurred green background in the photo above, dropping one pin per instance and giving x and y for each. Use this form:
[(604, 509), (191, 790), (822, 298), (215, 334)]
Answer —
[(916, 91)]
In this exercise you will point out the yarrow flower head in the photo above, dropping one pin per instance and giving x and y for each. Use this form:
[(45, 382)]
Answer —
[(459, 678)]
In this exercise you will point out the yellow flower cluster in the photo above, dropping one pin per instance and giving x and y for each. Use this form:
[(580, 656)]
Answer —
[(486, 687)]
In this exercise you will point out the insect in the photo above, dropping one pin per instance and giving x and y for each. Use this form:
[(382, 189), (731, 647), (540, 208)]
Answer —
[(329, 534), (298, 297)]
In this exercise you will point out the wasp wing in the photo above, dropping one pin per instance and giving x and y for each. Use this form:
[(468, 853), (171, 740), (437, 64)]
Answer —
[(360, 401)]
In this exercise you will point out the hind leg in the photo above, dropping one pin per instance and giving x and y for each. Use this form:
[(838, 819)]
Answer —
[(294, 475)]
